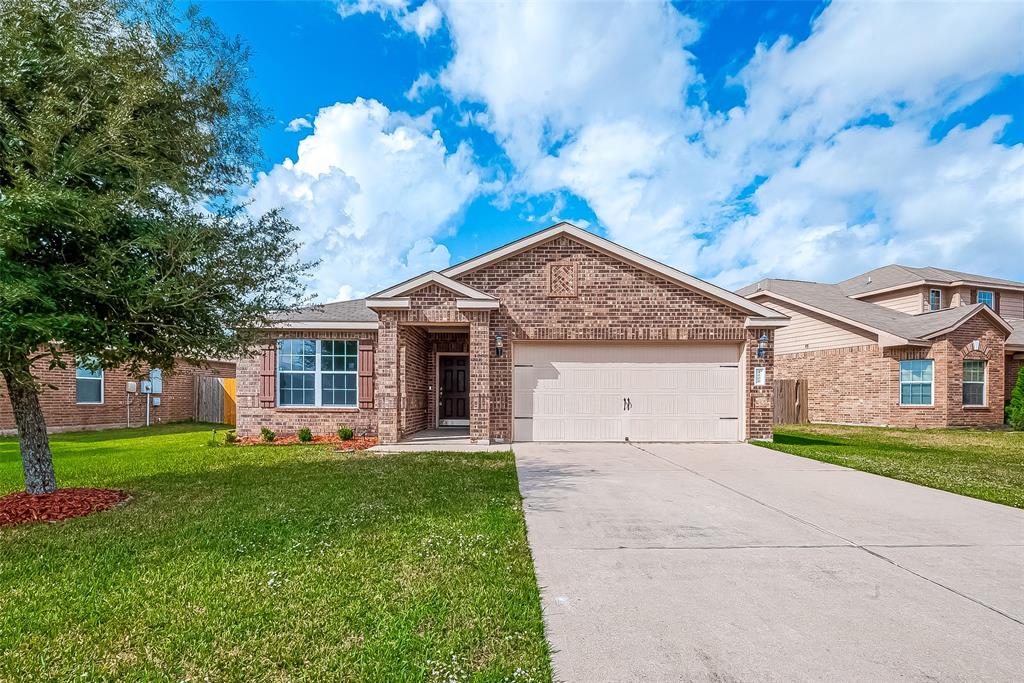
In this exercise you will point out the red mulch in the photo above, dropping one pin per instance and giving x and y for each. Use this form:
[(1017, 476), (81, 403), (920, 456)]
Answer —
[(359, 443), (23, 508)]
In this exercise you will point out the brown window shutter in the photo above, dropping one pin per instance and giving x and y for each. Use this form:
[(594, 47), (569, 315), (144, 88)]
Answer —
[(995, 300), (365, 375), (974, 295), (268, 376)]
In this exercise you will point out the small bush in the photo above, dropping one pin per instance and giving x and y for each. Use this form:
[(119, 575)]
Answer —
[(345, 433), (267, 434), (1015, 411), (305, 435), (230, 436)]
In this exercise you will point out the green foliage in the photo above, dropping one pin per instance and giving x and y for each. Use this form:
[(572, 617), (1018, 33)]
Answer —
[(213, 441), (230, 437), (126, 132), (305, 435), (345, 433), (267, 434), (1015, 410)]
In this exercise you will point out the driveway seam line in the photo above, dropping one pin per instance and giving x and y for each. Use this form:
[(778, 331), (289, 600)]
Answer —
[(832, 533)]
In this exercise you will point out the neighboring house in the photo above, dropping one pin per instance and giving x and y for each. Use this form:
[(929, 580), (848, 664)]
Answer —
[(559, 336), (900, 345), (78, 398)]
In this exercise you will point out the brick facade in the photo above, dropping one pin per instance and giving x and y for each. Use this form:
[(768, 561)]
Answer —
[(251, 416), (861, 385), (62, 413), (561, 289)]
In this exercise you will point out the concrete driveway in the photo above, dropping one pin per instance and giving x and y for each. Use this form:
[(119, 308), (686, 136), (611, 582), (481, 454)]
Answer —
[(668, 562)]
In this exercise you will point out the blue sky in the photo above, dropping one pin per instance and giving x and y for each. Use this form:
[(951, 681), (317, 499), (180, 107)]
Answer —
[(732, 140)]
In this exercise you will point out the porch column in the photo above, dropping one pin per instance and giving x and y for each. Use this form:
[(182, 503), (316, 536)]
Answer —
[(386, 366), (480, 377)]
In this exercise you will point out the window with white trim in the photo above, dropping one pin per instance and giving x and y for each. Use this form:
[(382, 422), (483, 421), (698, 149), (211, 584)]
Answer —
[(318, 373), (916, 377), (935, 299), (974, 382), (88, 382), (986, 297)]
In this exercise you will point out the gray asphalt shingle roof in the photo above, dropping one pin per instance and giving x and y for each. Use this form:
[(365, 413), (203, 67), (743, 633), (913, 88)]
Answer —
[(354, 311), (1017, 337), (895, 275), (834, 300)]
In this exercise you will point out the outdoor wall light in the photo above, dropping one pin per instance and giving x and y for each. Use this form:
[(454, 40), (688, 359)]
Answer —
[(499, 344), (762, 346)]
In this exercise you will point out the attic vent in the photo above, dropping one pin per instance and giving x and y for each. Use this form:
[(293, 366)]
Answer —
[(869, 279)]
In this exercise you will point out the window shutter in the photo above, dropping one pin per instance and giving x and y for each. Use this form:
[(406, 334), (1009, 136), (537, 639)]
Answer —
[(365, 375), (974, 295), (268, 376), (995, 301)]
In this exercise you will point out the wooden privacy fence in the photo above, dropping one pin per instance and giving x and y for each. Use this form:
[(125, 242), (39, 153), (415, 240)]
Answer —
[(215, 399), (790, 401)]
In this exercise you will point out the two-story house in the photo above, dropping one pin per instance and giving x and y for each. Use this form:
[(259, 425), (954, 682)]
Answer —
[(900, 346)]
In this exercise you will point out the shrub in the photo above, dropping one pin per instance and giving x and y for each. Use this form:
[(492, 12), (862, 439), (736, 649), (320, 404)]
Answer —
[(230, 436), (1015, 411), (345, 433), (267, 434), (305, 435)]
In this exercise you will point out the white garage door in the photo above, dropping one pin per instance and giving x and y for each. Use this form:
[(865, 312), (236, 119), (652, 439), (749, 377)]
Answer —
[(640, 392)]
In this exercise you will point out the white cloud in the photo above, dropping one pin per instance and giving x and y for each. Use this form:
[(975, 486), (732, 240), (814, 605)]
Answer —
[(423, 21), (370, 190), (422, 82), (295, 125), (591, 97)]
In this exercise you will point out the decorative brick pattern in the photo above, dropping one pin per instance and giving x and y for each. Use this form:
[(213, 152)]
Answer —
[(250, 416), (63, 414)]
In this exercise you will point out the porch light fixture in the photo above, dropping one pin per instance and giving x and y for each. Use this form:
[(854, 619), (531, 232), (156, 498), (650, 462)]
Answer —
[(499, 344), (762, 345)]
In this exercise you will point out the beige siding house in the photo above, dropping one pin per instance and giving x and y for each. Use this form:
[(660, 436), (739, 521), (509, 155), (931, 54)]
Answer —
[(900, 345)]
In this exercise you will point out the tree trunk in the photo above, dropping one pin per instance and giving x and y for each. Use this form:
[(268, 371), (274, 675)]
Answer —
[(36, 459)]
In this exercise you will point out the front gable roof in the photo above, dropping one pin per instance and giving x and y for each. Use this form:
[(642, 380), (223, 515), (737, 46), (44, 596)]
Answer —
[(397, 296), (622, 253)]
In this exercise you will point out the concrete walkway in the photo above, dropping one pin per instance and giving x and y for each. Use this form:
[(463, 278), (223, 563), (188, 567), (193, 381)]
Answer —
[(736, 563)]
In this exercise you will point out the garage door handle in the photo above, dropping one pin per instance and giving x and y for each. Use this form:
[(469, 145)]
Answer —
[(624, 404), (629, 404)]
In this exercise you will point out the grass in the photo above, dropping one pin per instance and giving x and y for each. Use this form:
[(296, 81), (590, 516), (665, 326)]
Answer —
[(271, 563), (981, 464)]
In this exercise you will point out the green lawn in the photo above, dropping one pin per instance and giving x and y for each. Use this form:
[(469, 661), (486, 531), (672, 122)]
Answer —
[(271, 563), (983, 464)]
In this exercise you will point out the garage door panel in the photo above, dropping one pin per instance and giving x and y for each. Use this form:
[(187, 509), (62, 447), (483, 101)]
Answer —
[(677, 392)]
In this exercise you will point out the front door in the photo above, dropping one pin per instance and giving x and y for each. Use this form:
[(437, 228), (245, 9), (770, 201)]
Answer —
[(453, 398)]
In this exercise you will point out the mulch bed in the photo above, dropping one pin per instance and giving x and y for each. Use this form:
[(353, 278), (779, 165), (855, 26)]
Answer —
[(25, 508), (359, 443)]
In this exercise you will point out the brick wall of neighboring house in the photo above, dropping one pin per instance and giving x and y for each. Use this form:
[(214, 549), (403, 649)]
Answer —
[(1012, 370), (861, 385), (251, 416), (843, 385), (62, 413), (606, 300)]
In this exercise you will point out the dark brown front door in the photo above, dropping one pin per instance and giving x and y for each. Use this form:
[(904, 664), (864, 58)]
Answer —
[(454, 384)]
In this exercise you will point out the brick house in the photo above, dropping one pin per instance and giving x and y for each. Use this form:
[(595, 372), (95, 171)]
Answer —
[(559, 336), (900, 346), (77, 398)]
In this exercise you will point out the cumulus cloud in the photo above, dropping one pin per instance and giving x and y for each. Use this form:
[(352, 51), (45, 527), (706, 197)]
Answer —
[(370, 190), (295, 125), (600, 99)]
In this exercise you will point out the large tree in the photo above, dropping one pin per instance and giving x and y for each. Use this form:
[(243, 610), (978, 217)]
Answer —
[(127, 131)]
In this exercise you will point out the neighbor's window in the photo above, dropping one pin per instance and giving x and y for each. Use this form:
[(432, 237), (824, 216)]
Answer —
[(916, 382), (88, 383), (974, 382), (986, 297), (311, 372), (935, 299)]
